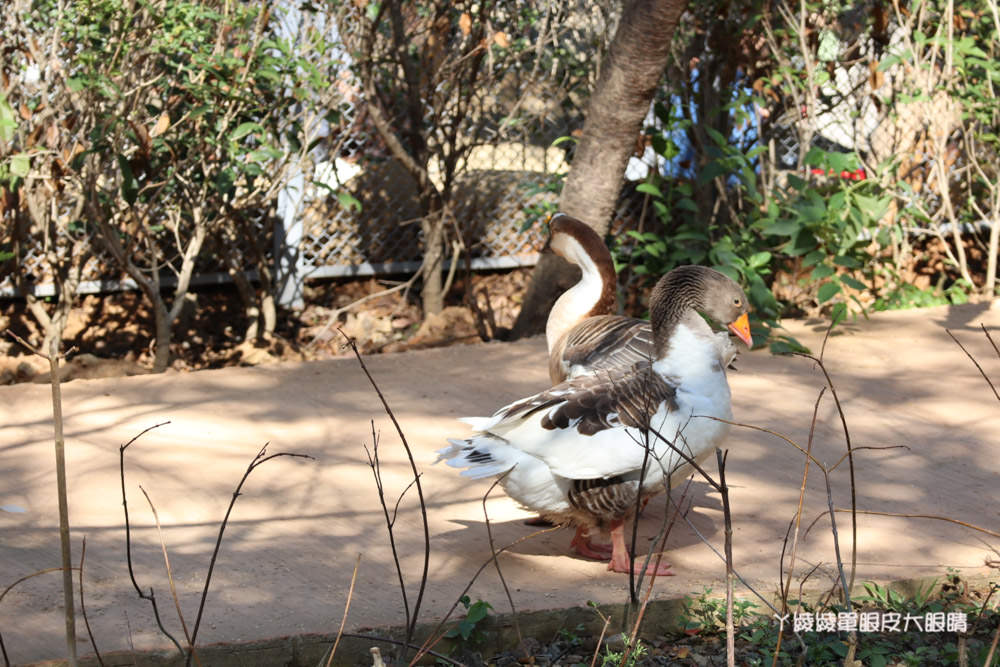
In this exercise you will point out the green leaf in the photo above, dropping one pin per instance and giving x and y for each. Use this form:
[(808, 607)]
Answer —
[(8, 120), (846, 261), (759, 259), (712, 170), (782, 228), (20, 165), (839, 313), (686, 204), (729, 271), (827, 291), (873, 208), (797, 183), (130, 186), (813, 258), (649, 189), (821, 271), (348, 201), (243, 130), (716, 136), (478, 611), (853, 283)]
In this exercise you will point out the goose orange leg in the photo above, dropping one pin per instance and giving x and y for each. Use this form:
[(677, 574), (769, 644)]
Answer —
[(622, 562), (582, 545)]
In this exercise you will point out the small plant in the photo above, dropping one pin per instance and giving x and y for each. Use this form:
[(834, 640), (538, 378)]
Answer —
[(469, 631), (633, 647), (707, 614)]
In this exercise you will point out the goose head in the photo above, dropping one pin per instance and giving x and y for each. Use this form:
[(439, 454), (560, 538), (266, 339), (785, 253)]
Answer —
[(687, 291), (595, 293)]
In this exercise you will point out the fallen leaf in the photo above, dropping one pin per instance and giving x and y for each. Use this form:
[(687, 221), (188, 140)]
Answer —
[(162, 123), (683, 652), (465, 23), (500, 39), (52, 136), (25, 111)]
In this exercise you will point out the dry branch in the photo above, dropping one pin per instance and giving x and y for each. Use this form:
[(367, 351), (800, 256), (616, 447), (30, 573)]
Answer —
[(170, 574), (261, 458), (128, 539), (411, 625), (347, 607), (83, 606)]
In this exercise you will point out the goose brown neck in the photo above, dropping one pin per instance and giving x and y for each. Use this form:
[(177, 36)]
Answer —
[(593, 246)]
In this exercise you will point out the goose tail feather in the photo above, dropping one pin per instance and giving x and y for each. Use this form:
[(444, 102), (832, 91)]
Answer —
[(483, 455)]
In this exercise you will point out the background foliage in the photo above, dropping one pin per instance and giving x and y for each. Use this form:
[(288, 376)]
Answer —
[(835, 158)]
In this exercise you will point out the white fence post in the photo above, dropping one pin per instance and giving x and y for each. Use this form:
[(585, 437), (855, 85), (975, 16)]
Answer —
[(290, 269)]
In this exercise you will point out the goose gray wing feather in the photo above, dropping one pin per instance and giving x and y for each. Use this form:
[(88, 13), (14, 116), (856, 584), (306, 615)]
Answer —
[(600, 343), (606, 399)]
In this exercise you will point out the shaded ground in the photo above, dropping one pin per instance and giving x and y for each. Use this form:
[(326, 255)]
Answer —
[(295, 534)]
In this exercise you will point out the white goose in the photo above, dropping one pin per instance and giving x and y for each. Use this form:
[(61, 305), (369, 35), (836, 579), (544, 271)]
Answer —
[(572, 452), (582, 332)]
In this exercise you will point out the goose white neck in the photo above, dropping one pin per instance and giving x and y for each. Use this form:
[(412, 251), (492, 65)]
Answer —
[(577, 302), (694, 350)]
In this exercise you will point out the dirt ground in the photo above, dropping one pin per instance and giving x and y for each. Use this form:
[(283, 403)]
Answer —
[(921, 417)]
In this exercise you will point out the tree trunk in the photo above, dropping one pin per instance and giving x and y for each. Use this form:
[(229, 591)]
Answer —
[(618, 106), (432, 293), (163, 334)]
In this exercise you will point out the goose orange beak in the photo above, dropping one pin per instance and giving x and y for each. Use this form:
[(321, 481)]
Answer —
[(741, 328)]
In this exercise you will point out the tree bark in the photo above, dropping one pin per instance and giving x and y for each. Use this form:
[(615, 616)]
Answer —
[(432, 292), (636, 60)]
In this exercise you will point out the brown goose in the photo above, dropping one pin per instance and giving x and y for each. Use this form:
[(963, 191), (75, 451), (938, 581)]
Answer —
[(582, 332), (571, 453)]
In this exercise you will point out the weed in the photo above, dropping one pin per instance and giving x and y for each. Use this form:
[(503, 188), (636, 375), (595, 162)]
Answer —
[(633, 646), (469, 630)]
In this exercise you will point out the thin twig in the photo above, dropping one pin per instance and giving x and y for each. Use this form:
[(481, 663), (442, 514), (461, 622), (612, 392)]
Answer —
[(664, 532), (836, 539), (420, 492), (988, 662), (850, 466), (29, 576), (128, 540), (347, 607), (3, 649), (170, 574), (797, 521), (496, 561), (83, 607), (334, 315), (604, 630), (373, 462), (722, 557), (258, 460), (728, 521), (990, 338), (925, 516), (981, 371)]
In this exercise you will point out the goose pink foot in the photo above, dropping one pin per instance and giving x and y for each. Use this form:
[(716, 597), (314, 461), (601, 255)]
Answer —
[(622, 562), (582, 545)]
